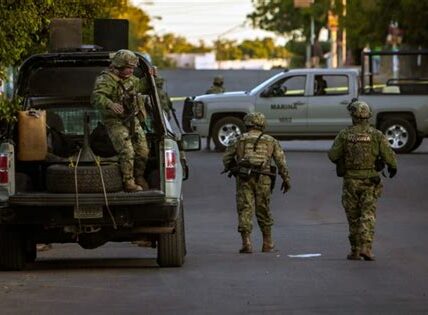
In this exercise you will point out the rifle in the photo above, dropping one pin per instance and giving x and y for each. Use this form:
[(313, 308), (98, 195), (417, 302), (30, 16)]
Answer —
[(244, 170)]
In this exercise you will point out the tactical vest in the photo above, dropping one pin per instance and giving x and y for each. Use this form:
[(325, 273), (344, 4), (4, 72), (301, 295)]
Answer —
[(255, 150), (359, 153)]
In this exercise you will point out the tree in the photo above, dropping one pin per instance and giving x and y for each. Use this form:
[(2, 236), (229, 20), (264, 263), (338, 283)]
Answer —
[(24, 25), (281, 17)]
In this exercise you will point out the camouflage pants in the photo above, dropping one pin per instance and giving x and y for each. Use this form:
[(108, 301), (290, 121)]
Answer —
[(133, 150), (253, 195), (359, 198)]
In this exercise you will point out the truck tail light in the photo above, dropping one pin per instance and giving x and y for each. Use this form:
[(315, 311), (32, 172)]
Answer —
[(170, 164), (198, 109), (4, 169)]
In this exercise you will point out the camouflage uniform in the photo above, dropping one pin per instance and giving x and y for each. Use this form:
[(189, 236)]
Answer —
[(217, 86), (163, 96), (253, 193), (358, 147), (131, 145)]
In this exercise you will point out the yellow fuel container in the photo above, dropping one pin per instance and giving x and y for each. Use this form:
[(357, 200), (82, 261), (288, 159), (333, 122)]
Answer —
[(32, 137)]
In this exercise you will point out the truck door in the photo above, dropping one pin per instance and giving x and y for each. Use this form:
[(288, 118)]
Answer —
[(330, 94), (285, 105)]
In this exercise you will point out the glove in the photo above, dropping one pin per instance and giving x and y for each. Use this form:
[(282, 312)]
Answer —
[(392, 171), (116, 108), (285, 186)]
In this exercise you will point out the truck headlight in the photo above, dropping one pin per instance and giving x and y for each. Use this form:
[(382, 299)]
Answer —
[(198, 109)]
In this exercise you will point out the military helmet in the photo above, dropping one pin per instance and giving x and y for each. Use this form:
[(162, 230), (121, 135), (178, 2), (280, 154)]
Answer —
[(218, 80), (255, 120), (124, 58), (360, 110)]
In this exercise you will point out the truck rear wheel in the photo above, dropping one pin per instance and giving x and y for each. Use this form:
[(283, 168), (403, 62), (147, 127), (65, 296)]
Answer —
[(61, 179), (226, 131), (12, 248), (401, 134), (172, 247)]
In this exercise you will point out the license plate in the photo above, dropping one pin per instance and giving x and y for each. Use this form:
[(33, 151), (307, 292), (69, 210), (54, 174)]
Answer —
[(88, 212)]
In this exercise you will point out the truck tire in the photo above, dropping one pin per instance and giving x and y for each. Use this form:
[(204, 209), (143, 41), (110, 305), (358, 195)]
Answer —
[(30, 251), (12, 248), (401, 134), (60, 179), (418, 142), (226, 130), (171, 247)]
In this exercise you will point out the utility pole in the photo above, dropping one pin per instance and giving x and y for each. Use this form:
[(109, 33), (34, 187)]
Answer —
[(310, 44), (344, 51), (333, 23)]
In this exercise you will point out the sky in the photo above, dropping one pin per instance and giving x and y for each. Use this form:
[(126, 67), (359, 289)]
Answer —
[(208, 20)]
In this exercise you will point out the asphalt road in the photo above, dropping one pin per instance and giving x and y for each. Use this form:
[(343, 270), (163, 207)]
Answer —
[(121, 278)]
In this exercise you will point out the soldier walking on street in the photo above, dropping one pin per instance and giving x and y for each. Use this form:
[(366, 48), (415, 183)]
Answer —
[(116, 95), (216, 88), (360, 152), (250, 160)]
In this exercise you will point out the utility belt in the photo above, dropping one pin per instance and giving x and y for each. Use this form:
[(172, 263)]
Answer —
[(341, 168)]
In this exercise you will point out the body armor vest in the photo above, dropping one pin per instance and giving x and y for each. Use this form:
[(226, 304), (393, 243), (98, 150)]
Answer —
[(359, 153), (255, 150)]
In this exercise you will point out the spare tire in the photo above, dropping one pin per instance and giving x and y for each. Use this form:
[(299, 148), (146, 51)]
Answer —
[(60, 178)]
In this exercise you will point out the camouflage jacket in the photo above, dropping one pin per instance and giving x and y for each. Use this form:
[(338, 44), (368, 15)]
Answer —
[(107, 91), (214, 89), (164, 100), (359, 146), (267, 149)]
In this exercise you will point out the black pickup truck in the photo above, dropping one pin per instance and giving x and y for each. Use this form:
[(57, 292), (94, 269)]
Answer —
[(59, 199)]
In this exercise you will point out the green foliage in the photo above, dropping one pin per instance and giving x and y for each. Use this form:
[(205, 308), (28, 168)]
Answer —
[(9, 108), (24, 25), (281, 17)]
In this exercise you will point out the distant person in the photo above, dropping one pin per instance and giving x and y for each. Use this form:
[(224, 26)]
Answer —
[(163, 96), (216, 88), (320, 85), (360, 152)]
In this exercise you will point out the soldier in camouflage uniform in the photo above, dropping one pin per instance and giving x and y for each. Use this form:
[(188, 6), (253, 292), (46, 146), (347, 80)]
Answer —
[(163, 96), (358, 150), (112, 86), (255, 150), (216, 88)]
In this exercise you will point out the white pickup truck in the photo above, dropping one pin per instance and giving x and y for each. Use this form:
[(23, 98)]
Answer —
[(312, 104)]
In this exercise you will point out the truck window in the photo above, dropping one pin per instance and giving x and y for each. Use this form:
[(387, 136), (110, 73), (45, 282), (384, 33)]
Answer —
[(331, 85), (290, 86)]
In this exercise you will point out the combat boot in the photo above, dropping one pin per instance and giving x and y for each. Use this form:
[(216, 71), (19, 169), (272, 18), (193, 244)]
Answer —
[(130, 186), (268, 245), (141, 181), (366, 253), (354, 254), (246, 244)]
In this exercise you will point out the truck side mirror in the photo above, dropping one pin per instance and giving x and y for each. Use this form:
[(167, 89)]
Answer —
[(190, 142), (266, 92)]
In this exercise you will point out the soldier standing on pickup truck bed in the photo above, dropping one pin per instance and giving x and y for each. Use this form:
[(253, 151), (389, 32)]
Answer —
[(249, 159), (360, 152), (216, 88), (116, 94), (163, 96)]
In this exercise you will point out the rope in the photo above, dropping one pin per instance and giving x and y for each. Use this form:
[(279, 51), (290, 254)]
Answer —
[(97, 162)]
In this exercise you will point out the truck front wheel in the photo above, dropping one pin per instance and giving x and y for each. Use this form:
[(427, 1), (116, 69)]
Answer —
[(401, 134), (226, 131)]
